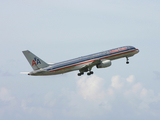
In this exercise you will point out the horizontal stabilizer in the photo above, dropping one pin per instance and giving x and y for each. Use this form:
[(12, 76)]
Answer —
[(24, 72)]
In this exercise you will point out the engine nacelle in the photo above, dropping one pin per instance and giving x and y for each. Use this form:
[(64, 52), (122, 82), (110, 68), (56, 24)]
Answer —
[(104, 63)]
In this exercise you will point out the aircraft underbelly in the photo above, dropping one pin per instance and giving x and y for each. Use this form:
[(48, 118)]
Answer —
[(77, 67)]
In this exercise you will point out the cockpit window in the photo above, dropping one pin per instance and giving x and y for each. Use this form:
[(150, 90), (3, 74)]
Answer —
[(131, 47)]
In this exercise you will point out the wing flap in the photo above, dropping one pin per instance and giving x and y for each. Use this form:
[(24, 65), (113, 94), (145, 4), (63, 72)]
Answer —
[(89, 67)]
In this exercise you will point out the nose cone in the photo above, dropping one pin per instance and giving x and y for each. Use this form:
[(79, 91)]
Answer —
[(137, 51)]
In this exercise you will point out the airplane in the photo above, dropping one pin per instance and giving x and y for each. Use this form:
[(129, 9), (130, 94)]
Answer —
[(83, 64)]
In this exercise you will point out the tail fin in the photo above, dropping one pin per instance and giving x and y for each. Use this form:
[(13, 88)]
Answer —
[(35, 62)]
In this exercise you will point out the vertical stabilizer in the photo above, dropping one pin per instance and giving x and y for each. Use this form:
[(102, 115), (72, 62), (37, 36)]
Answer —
[(35, 62)]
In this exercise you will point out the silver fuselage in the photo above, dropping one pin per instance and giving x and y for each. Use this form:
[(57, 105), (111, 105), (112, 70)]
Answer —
[(78, 63)]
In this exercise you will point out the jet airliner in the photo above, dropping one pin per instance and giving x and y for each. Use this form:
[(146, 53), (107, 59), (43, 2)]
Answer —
[(83, 64)]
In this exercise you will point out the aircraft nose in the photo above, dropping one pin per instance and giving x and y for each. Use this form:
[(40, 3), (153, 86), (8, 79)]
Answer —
[(137, 50)]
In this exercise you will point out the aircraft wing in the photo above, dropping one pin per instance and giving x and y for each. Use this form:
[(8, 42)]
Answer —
[(89, 67)]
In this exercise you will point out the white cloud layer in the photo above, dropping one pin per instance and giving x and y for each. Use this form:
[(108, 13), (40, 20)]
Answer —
[(92, 97), (40, 111), (7, 101), (130, 79), (5, 95), (91, 88), (116, 82)]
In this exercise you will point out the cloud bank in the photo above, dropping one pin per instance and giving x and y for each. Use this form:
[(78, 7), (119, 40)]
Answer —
[(92, 98)]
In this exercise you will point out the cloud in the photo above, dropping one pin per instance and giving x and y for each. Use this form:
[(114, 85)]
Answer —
[(135, 95), (38, 110), (91, 88), (143, 92), (116, 82), (49, 99), (5, 95), (130, 79), (141, 98), (92, 97), (136, 87), (7, 101), (110, 91), (147, 98)]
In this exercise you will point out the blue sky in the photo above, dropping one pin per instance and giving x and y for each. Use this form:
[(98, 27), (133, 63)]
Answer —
[(61, 30)]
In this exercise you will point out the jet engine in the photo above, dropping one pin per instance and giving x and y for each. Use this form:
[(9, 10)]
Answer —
[(104, 63)]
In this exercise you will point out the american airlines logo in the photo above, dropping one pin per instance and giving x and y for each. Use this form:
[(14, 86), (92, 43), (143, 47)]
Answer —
[(36, 61), (119, 49)]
